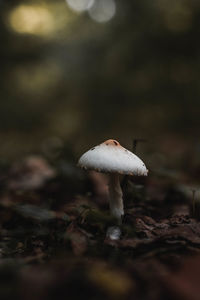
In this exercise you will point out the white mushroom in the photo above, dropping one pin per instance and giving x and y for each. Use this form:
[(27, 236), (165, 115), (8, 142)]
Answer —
[(110, 157)]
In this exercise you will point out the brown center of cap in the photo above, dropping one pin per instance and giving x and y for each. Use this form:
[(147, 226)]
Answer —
[(112, 143)]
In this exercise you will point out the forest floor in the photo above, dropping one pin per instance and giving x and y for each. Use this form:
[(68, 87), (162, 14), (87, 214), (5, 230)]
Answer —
[(54, 245)]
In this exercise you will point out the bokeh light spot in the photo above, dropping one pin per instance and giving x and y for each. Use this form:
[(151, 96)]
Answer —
[(36, 79), (31, 20), (80, 5), (103, 10), (177, 16)]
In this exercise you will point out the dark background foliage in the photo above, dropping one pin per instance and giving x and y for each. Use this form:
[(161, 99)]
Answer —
[(67, 79)]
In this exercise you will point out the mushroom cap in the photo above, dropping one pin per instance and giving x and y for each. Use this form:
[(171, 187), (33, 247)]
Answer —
[(111, 157)]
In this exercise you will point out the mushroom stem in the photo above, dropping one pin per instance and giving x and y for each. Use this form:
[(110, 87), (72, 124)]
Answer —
[(115, 196)]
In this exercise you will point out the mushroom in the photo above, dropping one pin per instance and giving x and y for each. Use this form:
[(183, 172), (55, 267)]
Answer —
[(110, 157)]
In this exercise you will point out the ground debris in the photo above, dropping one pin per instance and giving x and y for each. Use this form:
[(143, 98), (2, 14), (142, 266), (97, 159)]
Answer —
[(54, 243)]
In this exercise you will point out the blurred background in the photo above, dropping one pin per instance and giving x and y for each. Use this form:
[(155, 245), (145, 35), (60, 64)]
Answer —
[(77, 72)]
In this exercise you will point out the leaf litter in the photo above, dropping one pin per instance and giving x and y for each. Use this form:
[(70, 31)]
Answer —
[(54, 243)]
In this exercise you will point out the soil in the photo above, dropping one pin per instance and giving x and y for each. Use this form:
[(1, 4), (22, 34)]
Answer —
[(54, 246)]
